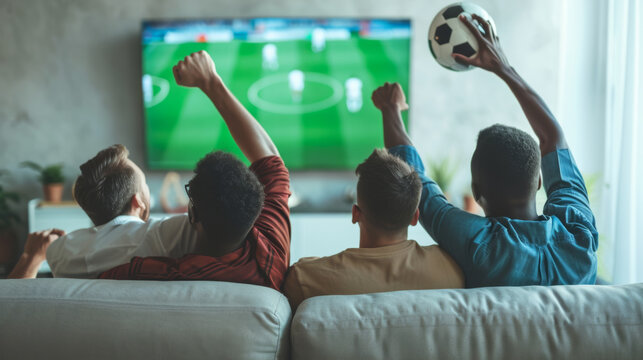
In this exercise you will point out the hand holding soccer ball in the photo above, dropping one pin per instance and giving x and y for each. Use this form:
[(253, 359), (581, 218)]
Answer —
[(195, 70), (450, 34), (490, 55), (389, 96)]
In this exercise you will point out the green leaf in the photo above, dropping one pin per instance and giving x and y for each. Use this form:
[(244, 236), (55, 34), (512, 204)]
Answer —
[(31, 165), (442, 172), (51, 174)]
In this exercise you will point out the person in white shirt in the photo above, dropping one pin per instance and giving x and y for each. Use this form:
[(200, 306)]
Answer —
[(112, 190)]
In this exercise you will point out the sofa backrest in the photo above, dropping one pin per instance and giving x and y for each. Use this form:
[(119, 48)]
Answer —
[(558, 322), (108, 319)]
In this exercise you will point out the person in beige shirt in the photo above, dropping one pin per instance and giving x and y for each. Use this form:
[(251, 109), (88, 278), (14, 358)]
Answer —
[(404, 265), (388, 194)]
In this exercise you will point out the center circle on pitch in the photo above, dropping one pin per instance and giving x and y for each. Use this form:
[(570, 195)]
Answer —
[(267, 92)]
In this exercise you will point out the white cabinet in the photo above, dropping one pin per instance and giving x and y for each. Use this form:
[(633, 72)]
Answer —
[(323, 234)]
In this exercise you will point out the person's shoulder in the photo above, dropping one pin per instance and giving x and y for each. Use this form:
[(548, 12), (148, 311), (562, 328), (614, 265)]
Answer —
[(77, 233), (169, 220), (166, 224), (315, 264), (433, 250), (445, 263), (127, 221), (72, 239), (311, 262)]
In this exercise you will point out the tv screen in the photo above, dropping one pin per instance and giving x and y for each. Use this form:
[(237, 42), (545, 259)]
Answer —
[(307, 81)]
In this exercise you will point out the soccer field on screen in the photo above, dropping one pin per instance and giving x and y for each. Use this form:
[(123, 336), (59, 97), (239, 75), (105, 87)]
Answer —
[(326, 125)]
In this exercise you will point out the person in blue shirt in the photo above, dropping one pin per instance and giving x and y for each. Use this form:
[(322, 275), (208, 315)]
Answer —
[(512, 244)]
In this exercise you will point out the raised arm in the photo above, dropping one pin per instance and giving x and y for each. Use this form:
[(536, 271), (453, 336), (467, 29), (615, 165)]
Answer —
[(198, 70), (491, 57), (390, 100), (34, 253)]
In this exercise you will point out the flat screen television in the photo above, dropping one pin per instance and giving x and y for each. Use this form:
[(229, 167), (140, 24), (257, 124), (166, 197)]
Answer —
[(307, 81)]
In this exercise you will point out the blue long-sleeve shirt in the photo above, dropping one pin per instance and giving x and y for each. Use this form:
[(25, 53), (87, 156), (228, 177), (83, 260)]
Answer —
[(558, 248)]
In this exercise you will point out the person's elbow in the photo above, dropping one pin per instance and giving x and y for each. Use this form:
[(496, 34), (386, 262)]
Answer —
[(552, 143)]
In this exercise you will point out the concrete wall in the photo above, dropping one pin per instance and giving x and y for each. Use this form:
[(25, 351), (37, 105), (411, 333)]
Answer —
[(70, 78)]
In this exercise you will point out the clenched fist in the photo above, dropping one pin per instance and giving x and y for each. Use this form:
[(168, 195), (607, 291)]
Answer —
[(389, 96), (195, 70)]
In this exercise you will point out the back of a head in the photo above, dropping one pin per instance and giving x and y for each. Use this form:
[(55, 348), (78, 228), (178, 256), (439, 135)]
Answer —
[(506, 164), (106, 185), (388, 191), (227, 197)]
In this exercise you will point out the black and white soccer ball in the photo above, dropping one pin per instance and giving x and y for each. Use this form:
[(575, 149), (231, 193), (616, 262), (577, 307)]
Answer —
[(448, 34)]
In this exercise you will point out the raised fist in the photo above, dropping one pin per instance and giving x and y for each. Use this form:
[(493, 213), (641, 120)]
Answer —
[(195, 70), (389, 96)]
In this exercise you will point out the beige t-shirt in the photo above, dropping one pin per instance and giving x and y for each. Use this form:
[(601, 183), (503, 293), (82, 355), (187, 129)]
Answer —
[(403, 266)]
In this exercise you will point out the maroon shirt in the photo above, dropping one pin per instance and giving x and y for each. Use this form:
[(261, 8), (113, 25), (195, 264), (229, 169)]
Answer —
[(262, 260)]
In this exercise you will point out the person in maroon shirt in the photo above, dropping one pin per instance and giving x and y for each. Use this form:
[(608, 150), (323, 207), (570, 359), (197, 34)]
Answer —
[(241, 214)]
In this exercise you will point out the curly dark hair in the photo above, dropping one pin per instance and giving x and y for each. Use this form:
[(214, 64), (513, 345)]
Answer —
[(388, 191), (227, 197), (506, 163)]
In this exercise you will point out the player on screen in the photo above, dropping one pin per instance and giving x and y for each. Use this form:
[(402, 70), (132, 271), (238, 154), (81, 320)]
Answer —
[(318, 39), (296, 83), (512, 245), (269, 57), (354, 99), (241, 214)]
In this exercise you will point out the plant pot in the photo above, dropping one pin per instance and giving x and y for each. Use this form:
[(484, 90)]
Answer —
[(53, 192), (8, 247)]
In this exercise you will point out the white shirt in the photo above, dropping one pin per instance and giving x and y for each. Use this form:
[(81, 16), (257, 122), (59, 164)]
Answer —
[(86, 253)]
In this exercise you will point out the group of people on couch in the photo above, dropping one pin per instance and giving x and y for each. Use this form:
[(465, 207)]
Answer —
[(237, 228)]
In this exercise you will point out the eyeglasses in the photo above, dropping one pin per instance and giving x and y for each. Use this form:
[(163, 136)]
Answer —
[(192, 216), (187, 191)]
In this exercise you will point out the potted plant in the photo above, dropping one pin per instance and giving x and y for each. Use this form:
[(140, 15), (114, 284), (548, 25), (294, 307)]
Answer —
[(51, 178), (442, 172), (8, 218)]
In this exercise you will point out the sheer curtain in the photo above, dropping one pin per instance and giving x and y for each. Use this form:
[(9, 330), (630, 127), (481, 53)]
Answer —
[(600, 108)]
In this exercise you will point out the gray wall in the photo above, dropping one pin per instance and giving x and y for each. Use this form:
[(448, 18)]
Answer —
[(70, 78)]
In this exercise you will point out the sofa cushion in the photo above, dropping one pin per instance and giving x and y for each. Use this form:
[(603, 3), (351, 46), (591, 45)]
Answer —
[(561, 322), (107, 319)]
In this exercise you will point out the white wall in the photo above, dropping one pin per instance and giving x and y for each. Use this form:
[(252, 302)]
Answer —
[(70, 77)]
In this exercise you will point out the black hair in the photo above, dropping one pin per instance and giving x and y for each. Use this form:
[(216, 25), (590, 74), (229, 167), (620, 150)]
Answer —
[(506, 163), (227, 197)]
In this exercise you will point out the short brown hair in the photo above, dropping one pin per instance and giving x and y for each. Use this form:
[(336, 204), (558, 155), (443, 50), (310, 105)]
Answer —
[(388, 190), (106, 185)]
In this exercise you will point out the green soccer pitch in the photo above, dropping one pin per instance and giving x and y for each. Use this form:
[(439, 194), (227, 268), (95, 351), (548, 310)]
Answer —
[(315, 132)]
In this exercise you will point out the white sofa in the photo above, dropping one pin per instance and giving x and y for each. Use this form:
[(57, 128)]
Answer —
[(110, 319), (104, 319), (535, 322)]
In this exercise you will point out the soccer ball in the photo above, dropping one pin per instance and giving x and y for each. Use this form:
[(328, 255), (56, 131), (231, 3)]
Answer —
[(448, 34)]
